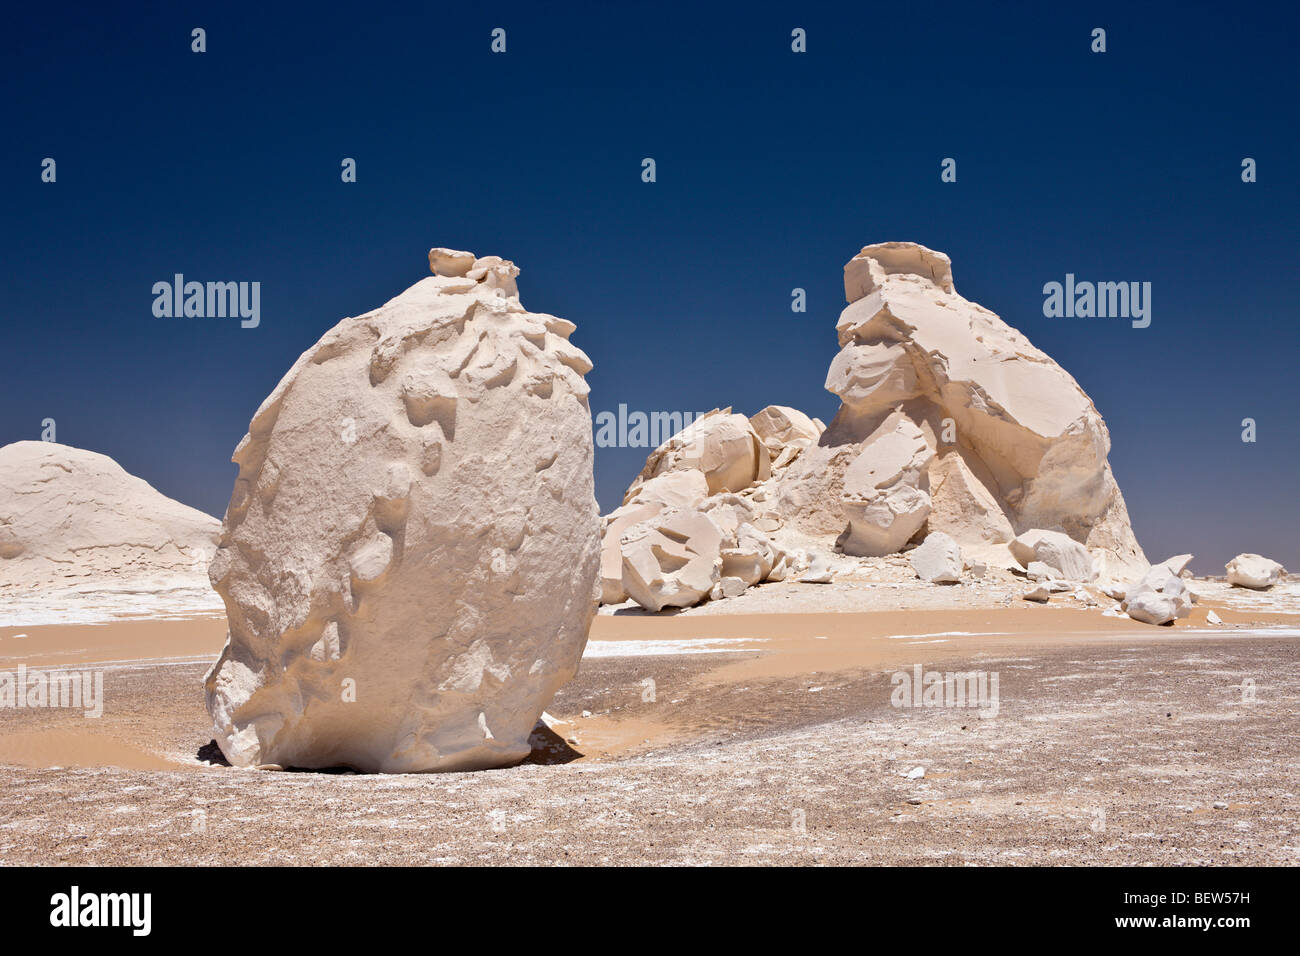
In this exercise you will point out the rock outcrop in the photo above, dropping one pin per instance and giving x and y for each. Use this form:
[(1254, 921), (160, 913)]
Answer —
[(672, 560), (70, 517), (410, 556), (1254, 571), (693, 525), (950, 422), (1014, 442), (886, 491)]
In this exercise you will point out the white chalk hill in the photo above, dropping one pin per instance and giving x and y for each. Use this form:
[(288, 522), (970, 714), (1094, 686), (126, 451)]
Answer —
[(71, 517)]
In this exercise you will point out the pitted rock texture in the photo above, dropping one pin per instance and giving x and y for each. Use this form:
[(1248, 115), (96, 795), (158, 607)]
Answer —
[(409, 560)]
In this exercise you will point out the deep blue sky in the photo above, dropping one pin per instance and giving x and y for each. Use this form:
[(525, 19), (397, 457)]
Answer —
[(773, 169)]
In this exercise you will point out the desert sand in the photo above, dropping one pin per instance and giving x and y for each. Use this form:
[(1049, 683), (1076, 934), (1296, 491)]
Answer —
[(719, 738)]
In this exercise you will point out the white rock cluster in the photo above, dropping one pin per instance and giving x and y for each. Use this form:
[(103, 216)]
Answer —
[(1161, 596), (410, 555), (695, 523), (950, 423)]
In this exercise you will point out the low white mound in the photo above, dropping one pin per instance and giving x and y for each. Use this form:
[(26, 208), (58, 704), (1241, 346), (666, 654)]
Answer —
[(74, 519), (410, 556)]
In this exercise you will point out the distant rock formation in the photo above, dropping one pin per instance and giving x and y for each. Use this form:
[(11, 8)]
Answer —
[(681, 535), (70, 517), (1016, 443), (1161, 596), (1254, 571), (409, 559), (951, 421)]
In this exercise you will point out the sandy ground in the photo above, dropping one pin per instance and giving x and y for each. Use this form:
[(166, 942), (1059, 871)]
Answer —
[(696, 738)]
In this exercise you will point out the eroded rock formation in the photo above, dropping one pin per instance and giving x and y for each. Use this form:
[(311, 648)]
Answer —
[(410, 555), (950, 422), (1016, 444)]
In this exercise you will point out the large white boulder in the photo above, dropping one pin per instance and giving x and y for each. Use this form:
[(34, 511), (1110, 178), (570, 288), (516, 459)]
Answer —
[(410, 555), (1016, 444), (885, 494), (71, 518), (672, 560), (1058, 551), (673, 489), (1161, 596), (1254, 571), (1161, 605), (937, 559), (722, 446)]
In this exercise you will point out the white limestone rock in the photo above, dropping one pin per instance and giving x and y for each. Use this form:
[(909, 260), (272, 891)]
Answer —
[(672, 542), (937, 559), (727, 587), (1016, 444), (71, 518), (1038, 571), (611, 548), (1162, 606), (1040, 594), (1067, 557), (781, 428), (1161, 596), (1154, 578), (675, 489), (885, 493), (962, 503), (1254, 571), (751, 558), (450, 262), (410, 555), (722, 446), (821, 569), (672, 560)]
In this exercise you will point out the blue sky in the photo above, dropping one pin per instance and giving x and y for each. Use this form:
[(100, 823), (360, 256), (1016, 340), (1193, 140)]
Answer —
[(774, 168)]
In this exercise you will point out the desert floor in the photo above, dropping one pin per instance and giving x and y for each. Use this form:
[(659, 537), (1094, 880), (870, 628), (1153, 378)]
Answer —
[(762, 735)]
